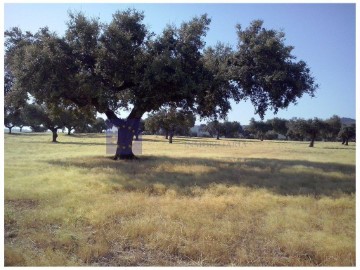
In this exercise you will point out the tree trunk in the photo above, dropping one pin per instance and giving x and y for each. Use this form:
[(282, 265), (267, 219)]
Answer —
[(166, 134), (347, 141), (69, 130), (126, 131), (10, 129), (54, 134), (218, 136), (171, 136), (20, 129), (312, 142), (137, 136)]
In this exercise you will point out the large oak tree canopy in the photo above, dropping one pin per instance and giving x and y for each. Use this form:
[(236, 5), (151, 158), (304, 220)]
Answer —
[(123, 65)]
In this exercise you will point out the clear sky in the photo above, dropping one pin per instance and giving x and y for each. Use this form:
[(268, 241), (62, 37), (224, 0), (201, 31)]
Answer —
[(323, 36)]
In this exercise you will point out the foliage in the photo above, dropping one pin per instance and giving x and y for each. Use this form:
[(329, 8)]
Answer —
[(258, 128), (331, 128), (215, 128), (267, 72), (310, 128), (80, 118), (49, 116), (12, 117), (347, 133), (123, 65), (170, 120), (99, 125), (279, 125), (227, 129)]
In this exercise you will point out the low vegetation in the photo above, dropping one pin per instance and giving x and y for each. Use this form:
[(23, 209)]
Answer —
[(194, 202)]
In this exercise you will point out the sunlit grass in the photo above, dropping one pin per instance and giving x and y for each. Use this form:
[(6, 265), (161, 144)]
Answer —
[(193, 202)]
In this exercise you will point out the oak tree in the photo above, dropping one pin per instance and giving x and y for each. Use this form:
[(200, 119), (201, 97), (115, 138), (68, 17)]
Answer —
[(122, 65)]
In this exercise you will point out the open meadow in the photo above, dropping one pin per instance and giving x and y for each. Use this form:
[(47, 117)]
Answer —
[(197, 202)]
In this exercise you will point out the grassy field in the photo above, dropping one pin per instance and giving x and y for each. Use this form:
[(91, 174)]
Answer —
[(195, 202)]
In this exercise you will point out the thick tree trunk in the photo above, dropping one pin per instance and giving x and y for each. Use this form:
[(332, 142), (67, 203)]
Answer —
[(126, 131), (20, 129), (218, 136), (347, 141), (54, 134), (10, 128), (166, 134), (69, 131)]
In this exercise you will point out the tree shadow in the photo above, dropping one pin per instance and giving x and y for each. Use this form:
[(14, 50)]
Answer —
[(284, 177), (85, 143), (346, 148), (160, 140), (88, 135), (29, 133), (69, 143)]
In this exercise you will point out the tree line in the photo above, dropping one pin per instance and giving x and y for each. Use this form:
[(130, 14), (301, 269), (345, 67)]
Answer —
[(170, 121), (299, 129), (174, 122), (123, 65), (41, 118)]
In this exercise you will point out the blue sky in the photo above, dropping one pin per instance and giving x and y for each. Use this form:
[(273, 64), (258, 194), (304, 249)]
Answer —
[(323, 36)]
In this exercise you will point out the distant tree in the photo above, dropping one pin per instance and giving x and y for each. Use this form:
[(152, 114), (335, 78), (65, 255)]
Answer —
[(347, 133), (202, 128), (279, 125), (78, 118), (331, 128), (152, 124), (177, 121), (140, 129), (12, 117), (38, 128), (48, 116), (294, 130), (171, 121), (258, 128), (310, 128), (232, 129), (215, 128), (271, 135), (99, 125)]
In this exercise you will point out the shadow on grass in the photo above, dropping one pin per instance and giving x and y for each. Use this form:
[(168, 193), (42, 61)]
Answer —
[(30, 133), (285, 177), (85, 143), (350, 147), (87, 135)]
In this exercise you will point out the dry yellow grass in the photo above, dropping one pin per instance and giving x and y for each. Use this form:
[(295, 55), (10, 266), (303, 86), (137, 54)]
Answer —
[(195, 202)]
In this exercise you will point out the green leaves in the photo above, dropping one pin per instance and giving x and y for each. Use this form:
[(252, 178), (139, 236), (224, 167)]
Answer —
[(266, 71), (122, 65)]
